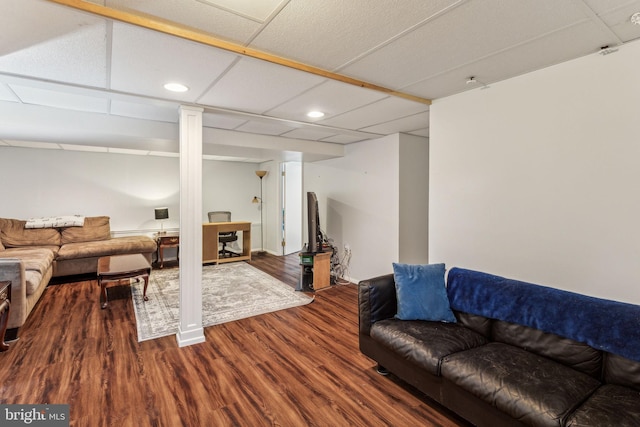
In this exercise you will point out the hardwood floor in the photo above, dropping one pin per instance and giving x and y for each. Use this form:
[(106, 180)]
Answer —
[(294, 367)]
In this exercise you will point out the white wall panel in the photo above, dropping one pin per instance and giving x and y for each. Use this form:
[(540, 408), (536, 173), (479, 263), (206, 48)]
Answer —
[(536, 178)]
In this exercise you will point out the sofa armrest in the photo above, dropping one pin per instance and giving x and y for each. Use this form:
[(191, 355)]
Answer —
[(12, 269), (376, 301)]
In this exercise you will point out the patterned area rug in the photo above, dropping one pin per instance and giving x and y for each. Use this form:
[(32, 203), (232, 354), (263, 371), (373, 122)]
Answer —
[(229, 292)]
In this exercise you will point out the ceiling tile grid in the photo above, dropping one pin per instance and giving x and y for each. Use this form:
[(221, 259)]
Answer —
[(65, 60)]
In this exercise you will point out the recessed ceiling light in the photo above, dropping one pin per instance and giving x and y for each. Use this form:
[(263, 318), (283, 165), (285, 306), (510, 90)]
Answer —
[(635, 18), (315, 114), (176, 87)]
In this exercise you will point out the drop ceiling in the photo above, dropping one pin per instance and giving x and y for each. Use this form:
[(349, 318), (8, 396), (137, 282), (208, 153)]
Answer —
[(70, 79)]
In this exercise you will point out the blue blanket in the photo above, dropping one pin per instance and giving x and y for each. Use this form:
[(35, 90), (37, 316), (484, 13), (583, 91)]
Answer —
[(603, 324)]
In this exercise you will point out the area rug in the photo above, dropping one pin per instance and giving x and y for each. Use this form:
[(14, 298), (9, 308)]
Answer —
[(230, 292)]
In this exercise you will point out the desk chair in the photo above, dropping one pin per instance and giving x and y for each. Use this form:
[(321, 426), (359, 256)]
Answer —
[(224, 238)]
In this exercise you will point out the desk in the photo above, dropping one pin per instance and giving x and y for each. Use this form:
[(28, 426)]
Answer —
[(210, 232)]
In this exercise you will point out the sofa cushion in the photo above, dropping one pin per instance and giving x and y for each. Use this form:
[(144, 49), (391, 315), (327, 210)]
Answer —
[(1, 246), (528, 387), (34, 259), (610, 405), (425, 343), (421, 293), (113, 246), (579, 317), (574, 354), (621, 371), (94, 228), (13, 234)]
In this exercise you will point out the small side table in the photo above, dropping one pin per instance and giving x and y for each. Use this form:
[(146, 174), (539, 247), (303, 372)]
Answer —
[(167, 240), (5, 305)]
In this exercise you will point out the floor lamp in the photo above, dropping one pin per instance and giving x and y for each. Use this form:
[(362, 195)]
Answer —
[(260, 174)]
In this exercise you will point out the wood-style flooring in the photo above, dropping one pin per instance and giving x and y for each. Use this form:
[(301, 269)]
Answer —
[(294, 367)]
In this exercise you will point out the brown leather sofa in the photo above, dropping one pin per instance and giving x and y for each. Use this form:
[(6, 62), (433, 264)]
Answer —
[(29, 258), (496, 372)]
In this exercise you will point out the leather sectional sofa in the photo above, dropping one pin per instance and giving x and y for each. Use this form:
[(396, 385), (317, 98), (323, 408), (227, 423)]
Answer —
[(30, 257), (517, 354)]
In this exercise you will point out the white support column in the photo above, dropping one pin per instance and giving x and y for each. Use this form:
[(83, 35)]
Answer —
[(190, 330)]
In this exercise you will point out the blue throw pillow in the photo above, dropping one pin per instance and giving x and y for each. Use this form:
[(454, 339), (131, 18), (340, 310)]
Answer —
[(421, 293)]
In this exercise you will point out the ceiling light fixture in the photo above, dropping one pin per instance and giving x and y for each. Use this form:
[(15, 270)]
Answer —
[(606, 50), (635, 18), (176, 87), (315, 114), (472, 81)]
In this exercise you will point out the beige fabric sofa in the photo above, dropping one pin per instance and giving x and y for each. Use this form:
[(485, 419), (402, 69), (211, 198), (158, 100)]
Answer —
[(29, 258)]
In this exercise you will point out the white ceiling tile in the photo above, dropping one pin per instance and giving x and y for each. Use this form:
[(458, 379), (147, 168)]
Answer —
[(420, 132), (342, 139), (143, 61), (255, 10), (382, 111), (331, 33), (148, 111), (266, 128), (78, 56), (222, 121), (314, 134), (211, 20), (256, 86), (61, 99), (331, 97), (405, 124), (6, 94), (46, 22)]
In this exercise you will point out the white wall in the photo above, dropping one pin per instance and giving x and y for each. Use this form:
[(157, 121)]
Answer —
[(359, 201), (42, 182), (537, 178)]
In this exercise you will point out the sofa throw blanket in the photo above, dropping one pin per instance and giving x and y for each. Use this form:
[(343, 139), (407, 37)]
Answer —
[(603, 324), (56, 222)]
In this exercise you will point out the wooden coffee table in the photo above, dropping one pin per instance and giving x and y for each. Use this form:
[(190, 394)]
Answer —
[(118, 267)]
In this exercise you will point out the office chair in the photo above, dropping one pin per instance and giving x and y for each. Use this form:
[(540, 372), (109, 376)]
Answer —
[(224, 238)]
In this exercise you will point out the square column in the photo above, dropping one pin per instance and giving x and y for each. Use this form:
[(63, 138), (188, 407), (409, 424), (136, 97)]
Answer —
[(190, 329)]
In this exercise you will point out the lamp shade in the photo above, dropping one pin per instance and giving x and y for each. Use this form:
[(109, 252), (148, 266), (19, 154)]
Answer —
[(261, 174), (162, 213)]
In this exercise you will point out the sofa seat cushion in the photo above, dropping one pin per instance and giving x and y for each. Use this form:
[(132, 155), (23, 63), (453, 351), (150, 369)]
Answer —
[(114, 246), (530, 388), (425, 343), (610, 405), (34, 259)]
